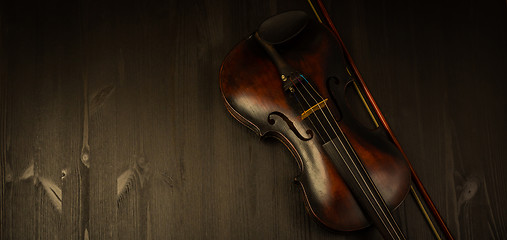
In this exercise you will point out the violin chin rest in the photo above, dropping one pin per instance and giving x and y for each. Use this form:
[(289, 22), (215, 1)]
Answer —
[(282, 27)]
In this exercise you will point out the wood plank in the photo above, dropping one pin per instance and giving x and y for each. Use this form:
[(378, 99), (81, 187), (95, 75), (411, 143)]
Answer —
[(167, 161)]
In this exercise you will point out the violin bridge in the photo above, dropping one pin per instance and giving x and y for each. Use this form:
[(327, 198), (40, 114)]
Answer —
[(315, 107)]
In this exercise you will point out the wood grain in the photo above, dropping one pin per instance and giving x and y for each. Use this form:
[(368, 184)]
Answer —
[(167, 161)]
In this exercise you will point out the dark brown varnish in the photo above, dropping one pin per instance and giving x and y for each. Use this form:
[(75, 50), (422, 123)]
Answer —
[(252, 91)]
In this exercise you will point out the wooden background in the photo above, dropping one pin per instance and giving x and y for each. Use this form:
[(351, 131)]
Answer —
[(167, 161)]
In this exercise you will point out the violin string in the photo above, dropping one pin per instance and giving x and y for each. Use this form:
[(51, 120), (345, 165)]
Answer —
[(313, 111), (356, 164), (359, 165), (320, 122), (302, 107), (330, 23), (376, 209), (343, 145), (309, 106), (334, 120)]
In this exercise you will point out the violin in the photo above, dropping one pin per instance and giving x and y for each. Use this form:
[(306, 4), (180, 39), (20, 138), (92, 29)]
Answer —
[(287, 80)]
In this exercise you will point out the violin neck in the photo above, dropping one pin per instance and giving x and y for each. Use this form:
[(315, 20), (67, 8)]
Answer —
[(362, 187)]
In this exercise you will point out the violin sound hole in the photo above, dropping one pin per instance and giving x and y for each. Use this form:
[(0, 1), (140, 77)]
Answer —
[(291, 126), (334, 89)]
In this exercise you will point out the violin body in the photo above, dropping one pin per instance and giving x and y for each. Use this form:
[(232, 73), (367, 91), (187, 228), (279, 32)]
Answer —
[(255, 96)]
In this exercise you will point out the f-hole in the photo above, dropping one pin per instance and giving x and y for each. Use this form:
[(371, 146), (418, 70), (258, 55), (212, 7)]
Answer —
[(334, 86), (290, 124)]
